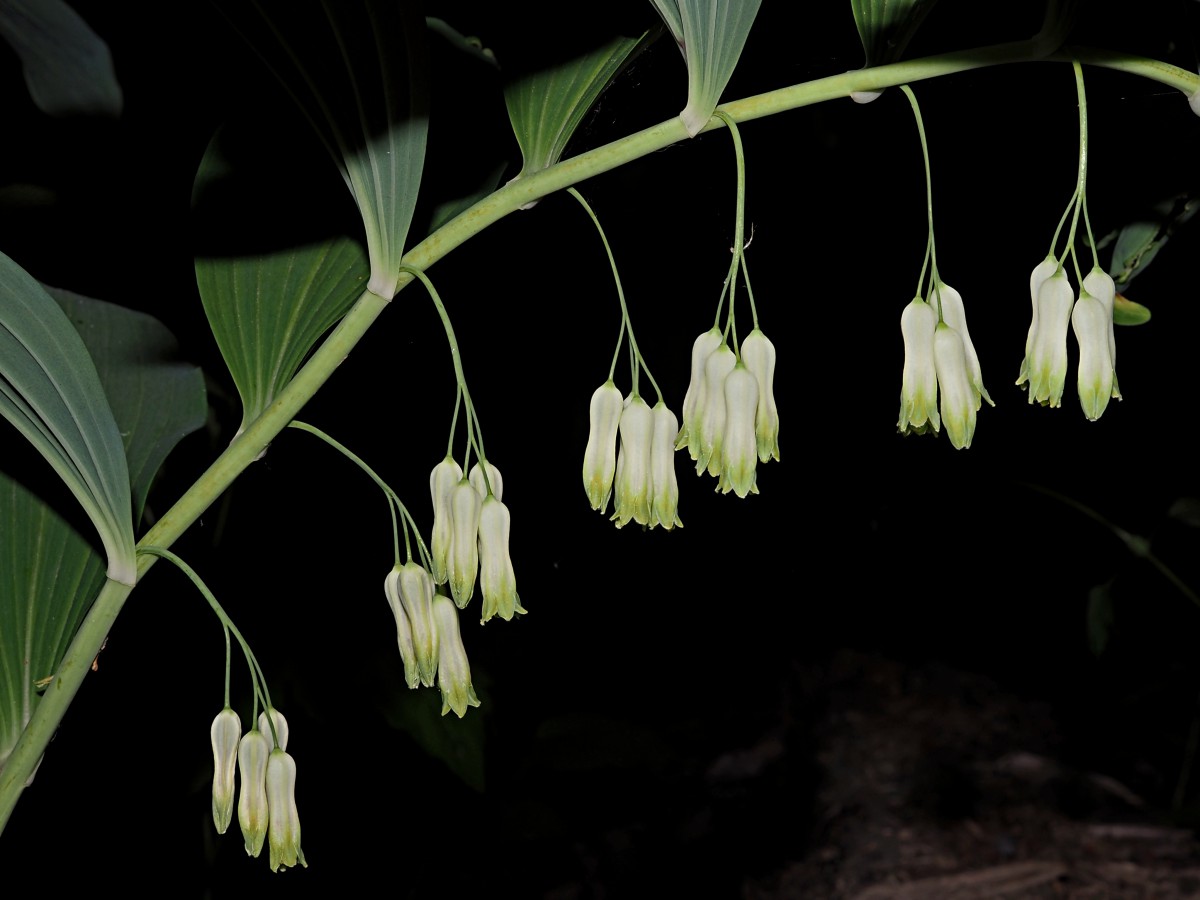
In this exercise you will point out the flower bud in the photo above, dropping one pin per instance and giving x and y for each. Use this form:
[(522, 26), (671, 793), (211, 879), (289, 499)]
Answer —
[(284, 832), (442, 480), (225, 732), (600, 457), (252, 801), (493, 479), (281, 727), (454, 672)]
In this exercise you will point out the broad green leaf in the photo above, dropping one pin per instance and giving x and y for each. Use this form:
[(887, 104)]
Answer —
[(886, 26), (49, 574), (546, 106), (711, 35), (267, 307), (357, 70), (50, 390), (67, 67)]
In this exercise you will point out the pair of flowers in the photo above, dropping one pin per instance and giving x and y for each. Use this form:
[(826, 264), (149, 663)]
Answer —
[(1044, 367), (938, 353), (730, 422), (428, 636), (267, 805), (470, 537), (647, 490)]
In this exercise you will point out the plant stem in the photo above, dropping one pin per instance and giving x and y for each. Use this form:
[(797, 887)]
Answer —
[(333, 351)]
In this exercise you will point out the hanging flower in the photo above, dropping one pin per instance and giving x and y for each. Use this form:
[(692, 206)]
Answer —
[(600, 456), (1100, 285), (225, 733), (918, 386), (442, 480), (454, 672), (253, 752), (959, 398), (954, 315), (664, 502), (496, 578), (415, 587), (739, 451), (758, 353), (712, 409), (693, 400), (1091, 321), (634, 464), (404, 634), (1047, 362), (1041, 272), (465, 505), (284, 830)]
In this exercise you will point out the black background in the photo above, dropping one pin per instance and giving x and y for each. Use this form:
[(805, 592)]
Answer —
[(645, 655)]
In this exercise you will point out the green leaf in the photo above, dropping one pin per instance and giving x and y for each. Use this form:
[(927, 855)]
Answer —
[(357, 70), (267, 307), (886, 26), (67, 67), (711, 35), (1128, 312), (49, 574), (156, 397), (546, 106), (1139, 242), (50, 390)]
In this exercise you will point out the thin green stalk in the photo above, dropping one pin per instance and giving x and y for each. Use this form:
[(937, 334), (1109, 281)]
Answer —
[(393, 499), (626, 323), (931, 244), (334, 350), (739, 220)]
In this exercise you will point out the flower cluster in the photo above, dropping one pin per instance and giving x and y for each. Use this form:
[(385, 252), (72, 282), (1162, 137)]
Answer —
[(644, 470), (267, 804), (730, 422), (939, 354), (470, 537), (428, 636), (1044, 368)]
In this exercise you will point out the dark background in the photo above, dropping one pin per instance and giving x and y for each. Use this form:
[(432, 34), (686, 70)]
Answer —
[(598, 765)]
